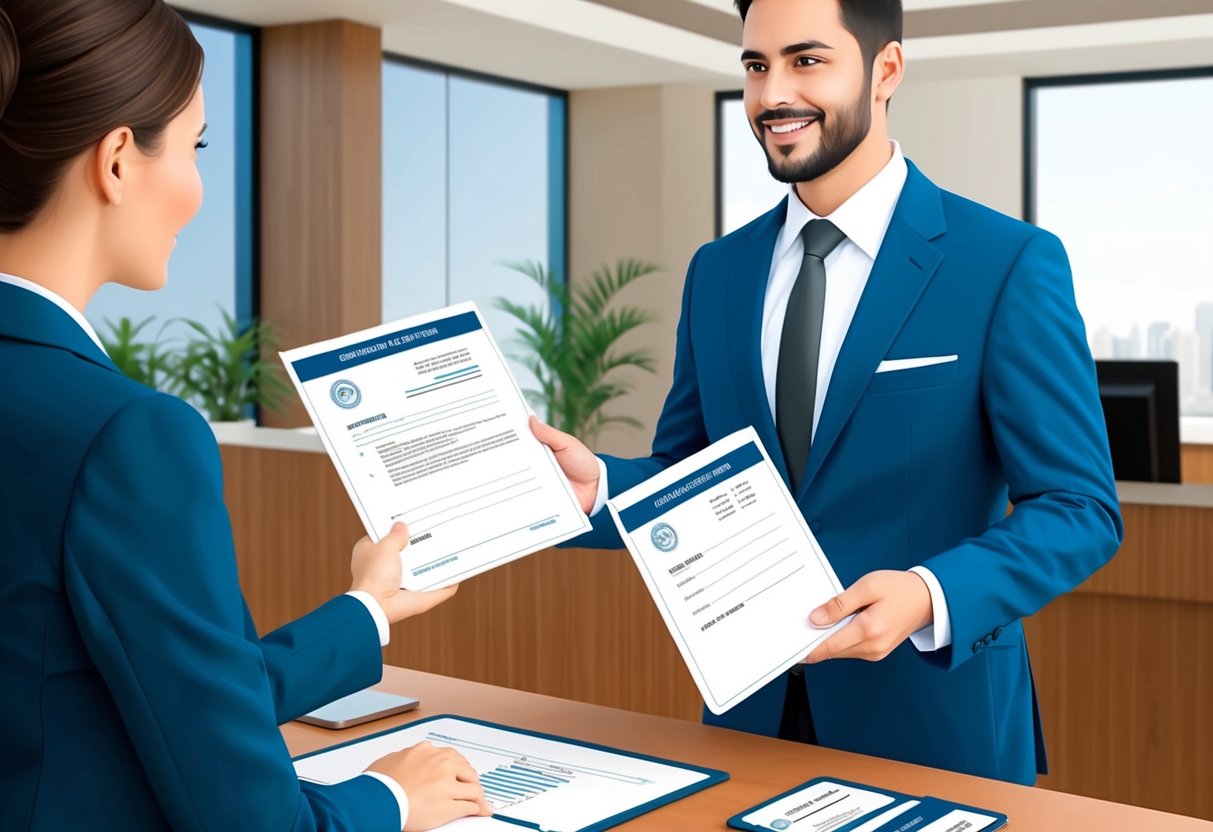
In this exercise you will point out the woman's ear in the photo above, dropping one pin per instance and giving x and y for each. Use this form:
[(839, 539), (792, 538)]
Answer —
[(111, 163)]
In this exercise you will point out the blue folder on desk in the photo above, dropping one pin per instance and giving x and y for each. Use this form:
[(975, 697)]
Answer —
[(532, 780)]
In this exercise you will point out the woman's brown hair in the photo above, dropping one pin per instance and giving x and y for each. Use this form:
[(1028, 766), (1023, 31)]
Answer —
[(72, 71)]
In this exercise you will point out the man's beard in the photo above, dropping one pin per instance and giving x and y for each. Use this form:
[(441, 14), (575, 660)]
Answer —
[(840, 135)]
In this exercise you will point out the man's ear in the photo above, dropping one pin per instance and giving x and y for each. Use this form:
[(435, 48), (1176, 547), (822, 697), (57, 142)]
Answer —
[(111, 164), (887, 71)]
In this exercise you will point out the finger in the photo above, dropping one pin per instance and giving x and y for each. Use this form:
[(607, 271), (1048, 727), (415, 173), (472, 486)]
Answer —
[(465, 808), (471, 792), (841, 645), (430, 598), (855, 597), (466, 774), (485, 808)]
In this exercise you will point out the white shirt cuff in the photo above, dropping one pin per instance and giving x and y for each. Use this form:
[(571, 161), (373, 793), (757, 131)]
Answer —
[(601, 498), (402, 799), (938, 634), (377, 613)]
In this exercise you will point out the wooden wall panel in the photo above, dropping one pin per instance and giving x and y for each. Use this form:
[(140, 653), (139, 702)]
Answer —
[(1124, 665), (321, 175), (1196, 463), (1125, 687)]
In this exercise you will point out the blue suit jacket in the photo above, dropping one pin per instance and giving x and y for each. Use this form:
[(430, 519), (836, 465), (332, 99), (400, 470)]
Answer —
[(916, 466), (135, 692)]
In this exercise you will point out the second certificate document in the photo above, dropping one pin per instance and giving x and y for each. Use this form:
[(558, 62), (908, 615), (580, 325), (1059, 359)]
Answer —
[(731, 565)]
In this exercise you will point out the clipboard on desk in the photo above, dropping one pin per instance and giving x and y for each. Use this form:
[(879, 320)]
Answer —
[(828, 804), (532, 780)]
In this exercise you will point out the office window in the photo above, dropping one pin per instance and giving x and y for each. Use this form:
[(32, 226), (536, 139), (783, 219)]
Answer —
[(212, 265), (745, 189), (474, 175), (1120, 169)]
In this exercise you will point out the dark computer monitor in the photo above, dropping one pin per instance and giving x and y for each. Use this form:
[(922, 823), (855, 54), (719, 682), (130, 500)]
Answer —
[(1141, 407)]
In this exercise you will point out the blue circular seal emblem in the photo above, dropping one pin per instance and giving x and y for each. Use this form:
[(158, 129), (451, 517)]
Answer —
[(780, 823), (664, 537), (345, 394)]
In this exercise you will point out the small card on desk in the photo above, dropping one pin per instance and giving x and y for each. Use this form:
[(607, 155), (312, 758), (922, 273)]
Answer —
[(827, 804)]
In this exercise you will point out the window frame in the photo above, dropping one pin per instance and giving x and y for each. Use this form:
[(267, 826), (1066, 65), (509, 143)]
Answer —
[(558, 138), (1193, 430), (248, 161)]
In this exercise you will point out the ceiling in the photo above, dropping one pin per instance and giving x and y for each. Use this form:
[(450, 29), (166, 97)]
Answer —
[(582, 44)]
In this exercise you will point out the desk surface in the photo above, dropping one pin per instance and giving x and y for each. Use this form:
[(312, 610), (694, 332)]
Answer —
[(759, 767)]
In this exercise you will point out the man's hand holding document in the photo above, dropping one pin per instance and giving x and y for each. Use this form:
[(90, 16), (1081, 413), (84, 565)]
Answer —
[(426, 425), (731, 565)]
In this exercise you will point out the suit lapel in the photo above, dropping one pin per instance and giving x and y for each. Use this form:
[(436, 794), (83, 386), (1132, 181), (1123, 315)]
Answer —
[(749, 269), (25, 316), (903, 268)]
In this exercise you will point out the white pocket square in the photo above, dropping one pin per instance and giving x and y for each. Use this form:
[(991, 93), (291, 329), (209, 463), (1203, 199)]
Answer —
[(912, 363)]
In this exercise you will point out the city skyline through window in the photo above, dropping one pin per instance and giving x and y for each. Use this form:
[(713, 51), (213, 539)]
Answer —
[(1124, 176)]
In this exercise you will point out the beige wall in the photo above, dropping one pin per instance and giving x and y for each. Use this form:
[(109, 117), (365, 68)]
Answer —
[(642, 184), (966, 135)]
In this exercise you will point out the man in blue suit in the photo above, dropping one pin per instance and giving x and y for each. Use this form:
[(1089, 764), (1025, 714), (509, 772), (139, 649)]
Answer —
[(911, 360)]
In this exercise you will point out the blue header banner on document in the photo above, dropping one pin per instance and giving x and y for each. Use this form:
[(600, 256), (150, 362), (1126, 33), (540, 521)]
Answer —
[(335, 361), (714, 473)]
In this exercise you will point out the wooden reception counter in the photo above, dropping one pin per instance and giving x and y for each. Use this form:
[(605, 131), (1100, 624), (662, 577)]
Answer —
[(1124, 665)]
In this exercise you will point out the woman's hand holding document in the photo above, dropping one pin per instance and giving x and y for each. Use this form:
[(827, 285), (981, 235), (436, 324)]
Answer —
[(426, 425), (731, 564)]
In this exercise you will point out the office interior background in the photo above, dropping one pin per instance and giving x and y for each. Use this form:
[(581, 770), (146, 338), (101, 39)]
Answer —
[(373, 159)]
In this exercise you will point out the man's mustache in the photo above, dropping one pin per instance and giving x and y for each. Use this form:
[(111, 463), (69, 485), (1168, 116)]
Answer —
[(782, 115)]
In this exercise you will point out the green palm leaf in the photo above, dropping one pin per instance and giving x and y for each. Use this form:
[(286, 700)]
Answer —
[(571, 344)]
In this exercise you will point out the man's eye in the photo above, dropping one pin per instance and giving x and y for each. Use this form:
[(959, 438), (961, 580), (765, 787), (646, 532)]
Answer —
[(755, 67), (805, 60)]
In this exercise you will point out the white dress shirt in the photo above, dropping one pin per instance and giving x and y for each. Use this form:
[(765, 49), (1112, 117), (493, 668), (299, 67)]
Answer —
[(864, 218), (367, 600)]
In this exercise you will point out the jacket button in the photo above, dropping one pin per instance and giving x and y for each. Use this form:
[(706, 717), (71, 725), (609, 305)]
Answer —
[(997, 632), (986, 641), (815, 526), (976, 646)]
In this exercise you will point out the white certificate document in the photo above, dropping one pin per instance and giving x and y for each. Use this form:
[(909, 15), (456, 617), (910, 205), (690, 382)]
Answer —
[(731, 565), (541, 782), (425, 424)]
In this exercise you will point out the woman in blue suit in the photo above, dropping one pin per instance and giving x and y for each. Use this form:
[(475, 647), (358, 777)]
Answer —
[(134, 690)]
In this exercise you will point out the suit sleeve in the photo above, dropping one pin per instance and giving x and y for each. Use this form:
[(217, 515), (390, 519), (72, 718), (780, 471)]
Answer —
[(680, 430), (151, 578), (1042, 402)]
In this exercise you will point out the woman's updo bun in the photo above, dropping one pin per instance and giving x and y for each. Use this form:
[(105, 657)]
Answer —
[(71, 71)]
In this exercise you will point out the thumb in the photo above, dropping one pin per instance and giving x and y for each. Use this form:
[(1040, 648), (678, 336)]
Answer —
[(840, 606), (548, 435), (397, 538)]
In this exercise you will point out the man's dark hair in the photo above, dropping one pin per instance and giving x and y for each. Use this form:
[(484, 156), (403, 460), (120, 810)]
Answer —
[(874, 23)]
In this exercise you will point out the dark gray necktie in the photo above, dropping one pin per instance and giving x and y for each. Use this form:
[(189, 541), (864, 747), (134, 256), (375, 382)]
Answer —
[(800, 346)]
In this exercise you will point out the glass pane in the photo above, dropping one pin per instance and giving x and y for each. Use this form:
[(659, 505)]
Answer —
[(1124, 176), (746, 188), (204, 272), (499, 146), (414, 191)]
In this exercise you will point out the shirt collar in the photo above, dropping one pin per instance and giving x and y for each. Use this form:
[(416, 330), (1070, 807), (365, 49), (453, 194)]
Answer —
[(42, 291), (864, 217)]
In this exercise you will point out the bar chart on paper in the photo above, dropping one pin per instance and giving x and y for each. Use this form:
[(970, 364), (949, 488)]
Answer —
[(544, 781)]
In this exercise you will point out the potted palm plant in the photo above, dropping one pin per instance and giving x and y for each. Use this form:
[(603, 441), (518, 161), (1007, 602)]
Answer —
[(571, 344), (222, 373)]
